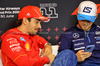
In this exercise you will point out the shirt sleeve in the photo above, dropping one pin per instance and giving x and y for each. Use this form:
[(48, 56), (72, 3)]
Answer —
[(41, 41), (64, 43), (12, 49)]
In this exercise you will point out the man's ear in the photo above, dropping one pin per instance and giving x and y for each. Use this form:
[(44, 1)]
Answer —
[(25, 21)]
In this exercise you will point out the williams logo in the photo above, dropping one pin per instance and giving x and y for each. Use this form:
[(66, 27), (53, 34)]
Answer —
[(49, 10), (87, 9)]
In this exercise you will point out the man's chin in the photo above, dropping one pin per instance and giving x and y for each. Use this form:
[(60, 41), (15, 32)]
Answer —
[(85, 29), (34, 33)]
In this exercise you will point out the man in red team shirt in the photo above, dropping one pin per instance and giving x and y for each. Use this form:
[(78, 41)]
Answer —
[(20, 45)]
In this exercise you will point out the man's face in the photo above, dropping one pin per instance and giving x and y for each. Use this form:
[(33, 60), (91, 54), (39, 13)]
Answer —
[(33, 26), (84, 25)]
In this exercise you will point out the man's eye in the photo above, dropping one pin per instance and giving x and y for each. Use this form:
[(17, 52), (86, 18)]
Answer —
[(37, 22)]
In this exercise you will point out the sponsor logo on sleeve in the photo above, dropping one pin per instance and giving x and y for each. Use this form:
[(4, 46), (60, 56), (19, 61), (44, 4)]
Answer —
[(17, 49), (97, 37), (77, 40), (14, 45), (12, 40), (98, 42), (80, 48), (97, 32), (78, 44)]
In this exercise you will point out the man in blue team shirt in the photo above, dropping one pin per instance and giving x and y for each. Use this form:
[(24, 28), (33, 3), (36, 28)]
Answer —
[(78, 37)]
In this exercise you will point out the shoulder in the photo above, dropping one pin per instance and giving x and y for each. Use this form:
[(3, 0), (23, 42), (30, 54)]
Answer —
[(73, 28), (69, 31), (10, 35)]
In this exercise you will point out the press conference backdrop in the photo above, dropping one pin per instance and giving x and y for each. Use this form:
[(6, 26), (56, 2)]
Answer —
[(61, 12)]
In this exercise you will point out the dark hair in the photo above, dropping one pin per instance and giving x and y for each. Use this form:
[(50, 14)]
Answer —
[(19, 22)]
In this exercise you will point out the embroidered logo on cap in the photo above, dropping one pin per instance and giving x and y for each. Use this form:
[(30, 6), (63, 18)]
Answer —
[(87, 9), (28, 14), (98, 10)]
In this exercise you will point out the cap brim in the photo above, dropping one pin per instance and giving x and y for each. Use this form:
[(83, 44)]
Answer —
[(43, 19), (86, 17)]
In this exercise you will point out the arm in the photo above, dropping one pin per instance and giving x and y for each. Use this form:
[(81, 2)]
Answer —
[(16, 53), (44, 45), (41, 42), (64, 43)]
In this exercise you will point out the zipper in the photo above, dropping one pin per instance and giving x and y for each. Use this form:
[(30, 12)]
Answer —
[(87, 34)]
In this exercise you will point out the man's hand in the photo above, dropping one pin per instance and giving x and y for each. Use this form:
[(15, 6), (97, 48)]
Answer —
[(51, 58), (81, 55), (46, 50)]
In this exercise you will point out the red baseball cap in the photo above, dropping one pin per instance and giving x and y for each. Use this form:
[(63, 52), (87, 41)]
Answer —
[(32, 11)]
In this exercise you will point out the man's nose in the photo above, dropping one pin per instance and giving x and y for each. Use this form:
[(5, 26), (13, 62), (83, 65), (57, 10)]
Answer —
[(39, 26)]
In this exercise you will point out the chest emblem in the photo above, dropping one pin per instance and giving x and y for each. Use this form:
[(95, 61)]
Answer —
[(27, 46), (76, 35), (22, 39)]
